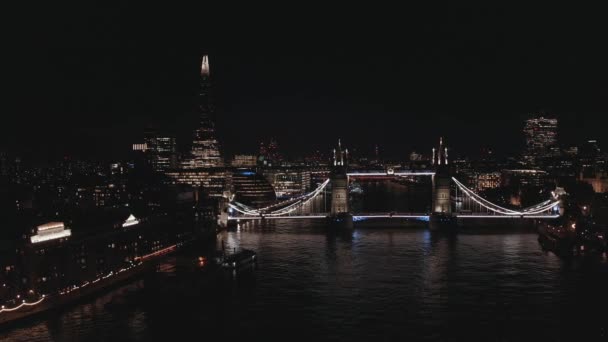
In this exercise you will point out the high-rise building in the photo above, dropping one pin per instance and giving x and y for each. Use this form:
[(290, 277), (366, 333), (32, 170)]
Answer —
[(205, 147), (541, 139), (590, 159), (204, 167), (161, 151), (166, 153), (288, 182)]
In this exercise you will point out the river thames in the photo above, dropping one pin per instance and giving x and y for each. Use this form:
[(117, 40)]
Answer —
[(373, 283)]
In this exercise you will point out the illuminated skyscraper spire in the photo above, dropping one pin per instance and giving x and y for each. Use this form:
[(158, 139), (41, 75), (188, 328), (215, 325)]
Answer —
[(205, 66), (205, 147)]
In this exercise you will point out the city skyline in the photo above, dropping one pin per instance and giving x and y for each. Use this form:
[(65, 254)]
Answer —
[(420, 172), (437, 76)]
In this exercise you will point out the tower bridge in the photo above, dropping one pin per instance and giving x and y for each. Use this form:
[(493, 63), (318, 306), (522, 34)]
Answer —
[(450, 198)]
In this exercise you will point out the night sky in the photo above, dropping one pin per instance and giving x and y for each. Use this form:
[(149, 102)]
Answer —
[(89, 79)]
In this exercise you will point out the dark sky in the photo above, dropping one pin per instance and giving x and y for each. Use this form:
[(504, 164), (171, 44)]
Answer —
[(88, 79)]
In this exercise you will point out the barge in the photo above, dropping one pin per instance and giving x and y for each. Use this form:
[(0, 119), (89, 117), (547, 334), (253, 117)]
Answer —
[(238, 259)]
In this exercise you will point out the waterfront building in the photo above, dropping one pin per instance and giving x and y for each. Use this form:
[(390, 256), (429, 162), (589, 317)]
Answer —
[(53, 258), (487, 180), (252, 189), (288, 182), (213, 180)]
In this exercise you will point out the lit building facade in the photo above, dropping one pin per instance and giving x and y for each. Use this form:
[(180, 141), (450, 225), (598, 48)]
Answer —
[(140, 147), (165, 154), (524, 177), (243, 160), (288, 182), (213, 181), (487, 180), (160, 151), (252, 189), (541, 139)]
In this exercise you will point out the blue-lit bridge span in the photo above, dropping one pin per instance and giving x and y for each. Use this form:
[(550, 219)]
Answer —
[(464, 198)]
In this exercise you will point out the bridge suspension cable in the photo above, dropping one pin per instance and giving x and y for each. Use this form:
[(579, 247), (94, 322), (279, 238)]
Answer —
[(294, 204), (532, 210)]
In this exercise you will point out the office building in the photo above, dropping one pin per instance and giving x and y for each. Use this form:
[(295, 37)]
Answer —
[(541, 139), (243, 160)]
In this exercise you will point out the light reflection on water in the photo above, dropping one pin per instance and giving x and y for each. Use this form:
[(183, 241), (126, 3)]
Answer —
[(365, 284)]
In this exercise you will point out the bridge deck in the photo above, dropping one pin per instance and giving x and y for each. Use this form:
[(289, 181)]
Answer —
[(396, 173), (396, 216)]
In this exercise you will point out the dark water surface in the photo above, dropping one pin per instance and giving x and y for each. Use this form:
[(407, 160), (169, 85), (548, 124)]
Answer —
[(370, 284), (376, 283)]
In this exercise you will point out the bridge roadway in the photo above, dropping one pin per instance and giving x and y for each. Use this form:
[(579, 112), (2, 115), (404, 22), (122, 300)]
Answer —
[(386, 173), (416, 216)]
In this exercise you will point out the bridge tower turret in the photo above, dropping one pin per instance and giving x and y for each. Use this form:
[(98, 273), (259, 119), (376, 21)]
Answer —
[(441, 180), (441, 211), (340, 211)]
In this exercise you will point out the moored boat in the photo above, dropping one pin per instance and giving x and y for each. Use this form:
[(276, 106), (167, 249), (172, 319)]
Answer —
[(238, 259)]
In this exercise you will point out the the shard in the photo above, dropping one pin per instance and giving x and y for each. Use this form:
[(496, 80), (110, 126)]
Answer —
[(205, 147)]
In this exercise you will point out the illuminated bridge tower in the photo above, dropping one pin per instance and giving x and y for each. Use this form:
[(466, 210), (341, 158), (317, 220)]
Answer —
[(340, 212), (441, 180), (441, 211)]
